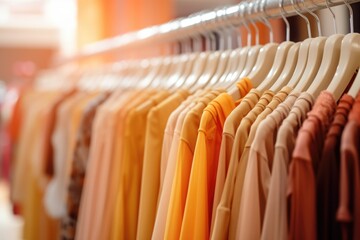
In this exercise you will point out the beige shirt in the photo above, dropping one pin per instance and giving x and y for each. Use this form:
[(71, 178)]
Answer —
[(275, 225), (169, 133), (243, 231), (94, 193), (124, 222), (164, 196), (184, 159), (150, 183), (227, 207), (257, 175), (231, 124)]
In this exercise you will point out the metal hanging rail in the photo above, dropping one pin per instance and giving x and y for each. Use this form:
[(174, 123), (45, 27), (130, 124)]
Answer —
[(179, 29)]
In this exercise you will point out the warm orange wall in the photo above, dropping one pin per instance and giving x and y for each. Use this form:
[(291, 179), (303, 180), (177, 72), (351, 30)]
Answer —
[(99, 19)]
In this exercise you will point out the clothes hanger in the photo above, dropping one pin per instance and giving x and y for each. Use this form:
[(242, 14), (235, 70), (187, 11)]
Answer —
[(348, 63), (355, 87), (266, 55), (213, 59), (280, 57), (155, 68), (303, 54), (253, 51), (263, 62), (189, 55), (242, 52), (316, 50), (227, 42), (329, 62), (203, 68), (234, 58), (291, 58)]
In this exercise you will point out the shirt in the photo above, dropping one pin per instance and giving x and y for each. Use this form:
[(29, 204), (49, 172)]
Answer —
[(164, 197), (116, 178), (169, 133), (124, 223), (275, 219), (184, 160), (327, 177), (245, 230), (78, 170), (63, 141), (199, 202), (231, 197), (230, 127), (348, 213), (150, 183), (26, 189), (99, 165), (306, 155)]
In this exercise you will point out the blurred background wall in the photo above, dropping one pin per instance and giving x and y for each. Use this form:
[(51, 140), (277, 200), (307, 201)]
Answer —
[(33, 32)]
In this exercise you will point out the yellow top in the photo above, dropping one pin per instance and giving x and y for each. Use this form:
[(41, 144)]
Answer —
[(128, 195), (184, 159), (150, 182), (199, 201)]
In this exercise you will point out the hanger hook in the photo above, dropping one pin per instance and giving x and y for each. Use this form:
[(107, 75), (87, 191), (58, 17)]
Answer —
[(197, 39), (231, 28), (210, 39), (282, 13), (268, 24), (235, 25), (351, 13), (304, 17), (333, 15), (251, 4), (315, 16), (224, 29), (246, 25)]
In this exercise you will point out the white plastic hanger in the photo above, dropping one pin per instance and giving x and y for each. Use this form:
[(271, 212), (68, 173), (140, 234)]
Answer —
[(266, 56), (204, 66), (348, 64), (291, 62), (280, 57), (355, 87), (329, 62), (316, 50), (242, 52), (235, 55), (253, 51), (198, 60), (303, 53), (288, 70), (224, 60)]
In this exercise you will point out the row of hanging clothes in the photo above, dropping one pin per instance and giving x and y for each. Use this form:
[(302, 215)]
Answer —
[(256, 142)]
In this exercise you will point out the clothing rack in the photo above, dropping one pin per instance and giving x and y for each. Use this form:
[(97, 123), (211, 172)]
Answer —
[(182, 28)]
